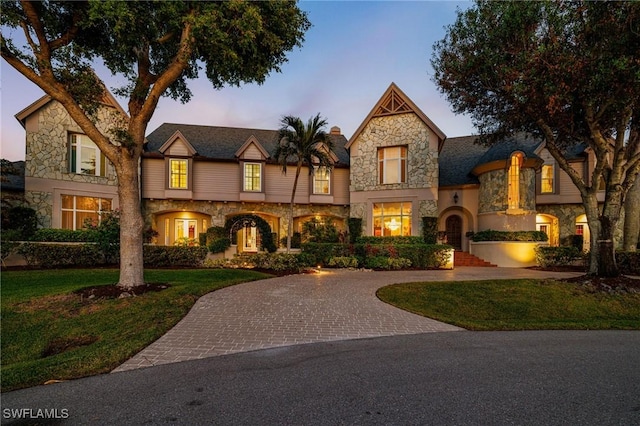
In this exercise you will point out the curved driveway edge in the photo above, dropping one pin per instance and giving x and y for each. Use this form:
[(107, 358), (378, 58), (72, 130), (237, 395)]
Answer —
[(307, 308)]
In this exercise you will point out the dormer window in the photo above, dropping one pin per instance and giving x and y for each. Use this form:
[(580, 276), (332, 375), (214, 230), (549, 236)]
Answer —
[(392, 165), (252, 177), (178, 173), (84, 156)]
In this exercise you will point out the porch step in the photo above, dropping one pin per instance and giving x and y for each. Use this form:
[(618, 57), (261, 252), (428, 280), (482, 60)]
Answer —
[(462, 258)]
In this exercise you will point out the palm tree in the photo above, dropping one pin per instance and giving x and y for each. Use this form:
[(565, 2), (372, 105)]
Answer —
[(302, 145)]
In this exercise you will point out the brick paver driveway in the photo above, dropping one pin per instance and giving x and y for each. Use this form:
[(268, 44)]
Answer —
[(331, 305)]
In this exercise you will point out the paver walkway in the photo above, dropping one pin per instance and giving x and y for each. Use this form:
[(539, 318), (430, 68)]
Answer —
[(307, 308)]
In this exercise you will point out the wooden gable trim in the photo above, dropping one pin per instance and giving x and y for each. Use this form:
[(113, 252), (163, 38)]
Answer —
[(392, 102), (177, 135), (334, 157), (252, 140)]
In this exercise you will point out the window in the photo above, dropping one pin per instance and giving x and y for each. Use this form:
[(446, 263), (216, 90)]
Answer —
[(85, 157), (514, 181), (321, 180), (391, 219), (76, 210), (178, 173), (579, 229), (546, 179), (392, 165), (252, 181)]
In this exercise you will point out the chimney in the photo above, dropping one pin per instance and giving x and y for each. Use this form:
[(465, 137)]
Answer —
[(335, 130)]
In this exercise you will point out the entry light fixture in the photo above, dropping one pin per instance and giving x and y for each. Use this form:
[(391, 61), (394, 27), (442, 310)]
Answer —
[(455, 198)]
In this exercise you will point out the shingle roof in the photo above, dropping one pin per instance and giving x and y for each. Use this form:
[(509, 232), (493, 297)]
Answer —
[(14, 181), (503, 150), (457, 158), (221, 143)]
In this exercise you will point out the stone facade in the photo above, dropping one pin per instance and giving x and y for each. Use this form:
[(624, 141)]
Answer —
[(219, 211), (47, 148), (400, 129), (494, 186), (42, 203)]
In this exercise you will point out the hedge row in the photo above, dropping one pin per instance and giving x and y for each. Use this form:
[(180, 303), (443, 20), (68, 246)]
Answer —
[(56, 255), (491, 235), (628, 262), (420, 255), (556, 256)]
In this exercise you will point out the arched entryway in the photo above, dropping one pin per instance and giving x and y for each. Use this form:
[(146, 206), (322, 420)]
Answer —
[(251, 233), (453, 227)]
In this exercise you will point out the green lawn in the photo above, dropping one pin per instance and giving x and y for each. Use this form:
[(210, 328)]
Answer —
[(40, 315), (516, 305)]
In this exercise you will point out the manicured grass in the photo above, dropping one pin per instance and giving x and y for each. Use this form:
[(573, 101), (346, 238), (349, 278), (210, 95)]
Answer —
[(40, 315), (516, 305)]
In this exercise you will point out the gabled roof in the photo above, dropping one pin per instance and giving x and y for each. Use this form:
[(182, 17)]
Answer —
[(392, 102), (223, 143), (177, 136), (22, 116), (252, 141)]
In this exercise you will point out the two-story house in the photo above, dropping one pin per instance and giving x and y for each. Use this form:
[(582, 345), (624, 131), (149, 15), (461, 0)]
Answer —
[(397, 168), (194, 177)]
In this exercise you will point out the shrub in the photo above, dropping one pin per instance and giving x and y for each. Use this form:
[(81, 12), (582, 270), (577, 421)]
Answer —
[(64, 235), (167, 256), (628, 262), (55, 255), (343, 262), (186, 242), (491, 235), (107, 236), (556, 256), (424, 256), (388, 263), (355, 228), (430, 229), (219, 245), (9, 242), (391, 240), (320, 231), (296, 240), (22, 219), (275, 261), (306, 260)]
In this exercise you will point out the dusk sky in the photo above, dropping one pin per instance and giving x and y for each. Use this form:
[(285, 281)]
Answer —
[(353, 52)]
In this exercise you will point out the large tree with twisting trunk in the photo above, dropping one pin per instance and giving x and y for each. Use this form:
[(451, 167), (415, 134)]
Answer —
[(157, 47), (567, 71)]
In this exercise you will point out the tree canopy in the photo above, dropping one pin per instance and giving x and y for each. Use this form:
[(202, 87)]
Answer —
[(157, 47), (568, 72)]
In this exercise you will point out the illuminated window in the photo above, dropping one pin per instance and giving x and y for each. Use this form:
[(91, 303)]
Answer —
[(321, 180), (252, 181), (390, 219), (392, 165), (77, 211), (178, 173), (579, 229), (85, 157), (514, 181), (546, 179)]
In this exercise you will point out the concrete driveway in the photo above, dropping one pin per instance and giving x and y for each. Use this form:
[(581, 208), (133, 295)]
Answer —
[(308, 308)]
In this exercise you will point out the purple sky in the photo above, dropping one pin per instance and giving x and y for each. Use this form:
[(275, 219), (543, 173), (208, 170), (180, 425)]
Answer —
[(351, 54)]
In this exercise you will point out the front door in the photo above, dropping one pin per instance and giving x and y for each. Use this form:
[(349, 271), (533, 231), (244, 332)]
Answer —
[(454, 231), (250, 243), (186, 228)]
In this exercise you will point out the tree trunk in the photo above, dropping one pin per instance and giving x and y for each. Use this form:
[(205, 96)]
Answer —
[(131, 223), (607, 266), (632, 217), (293, 197)]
